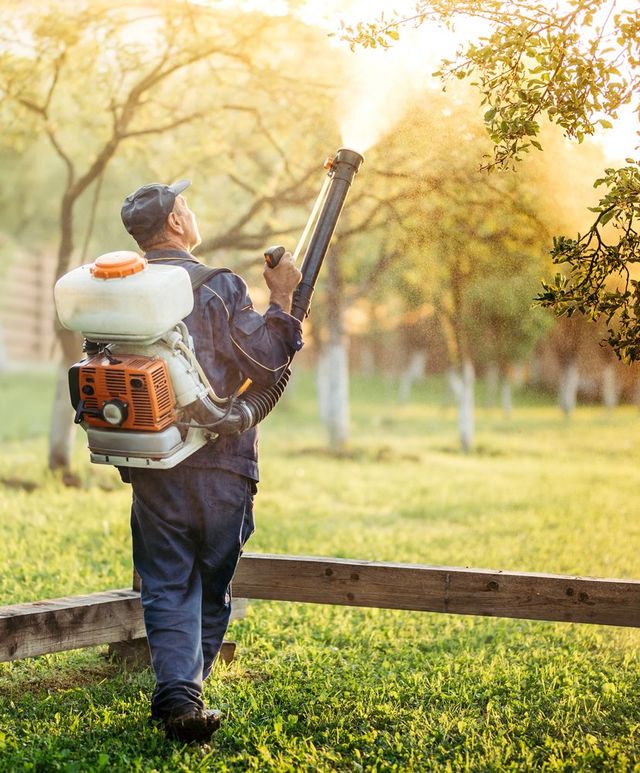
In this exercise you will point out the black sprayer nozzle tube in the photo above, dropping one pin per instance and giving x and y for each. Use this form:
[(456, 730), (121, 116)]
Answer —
[(343, 169)]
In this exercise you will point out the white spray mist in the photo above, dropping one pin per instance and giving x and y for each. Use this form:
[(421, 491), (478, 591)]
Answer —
[(381, 84)]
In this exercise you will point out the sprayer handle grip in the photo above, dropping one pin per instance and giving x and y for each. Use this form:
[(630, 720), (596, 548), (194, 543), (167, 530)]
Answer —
[(272, 256)]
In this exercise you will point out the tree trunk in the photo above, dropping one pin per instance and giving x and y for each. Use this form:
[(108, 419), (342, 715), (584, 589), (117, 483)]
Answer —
[(455, 384), (491, 381), (65, 248), (610, 394), (333, 362), (92, 217), (569, 388), (506, 397), (322, 386), (466, 421), (62, 428), (333, 393), (462, 386), (412, 373)]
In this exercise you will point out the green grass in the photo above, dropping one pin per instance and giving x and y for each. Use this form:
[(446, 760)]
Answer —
[(324, 688)]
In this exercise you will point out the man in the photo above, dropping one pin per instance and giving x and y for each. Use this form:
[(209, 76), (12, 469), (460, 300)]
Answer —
[(189, 524)]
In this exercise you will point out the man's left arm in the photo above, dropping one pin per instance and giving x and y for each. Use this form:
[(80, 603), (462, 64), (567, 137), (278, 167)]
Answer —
[(264, 343), (260, 344)]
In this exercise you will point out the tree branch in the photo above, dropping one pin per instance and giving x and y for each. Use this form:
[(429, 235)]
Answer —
[(160, 129), (246, 241), (233, 235)]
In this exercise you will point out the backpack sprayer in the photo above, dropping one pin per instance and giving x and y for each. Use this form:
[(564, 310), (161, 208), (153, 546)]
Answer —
[(140, 393)]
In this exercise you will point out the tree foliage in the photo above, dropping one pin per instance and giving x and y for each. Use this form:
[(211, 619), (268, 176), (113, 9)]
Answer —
[(601, 261), (503, 328), (575, 64), (461, 234)]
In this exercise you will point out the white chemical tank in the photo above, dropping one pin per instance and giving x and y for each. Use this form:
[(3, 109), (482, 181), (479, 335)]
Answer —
[(121, 297)]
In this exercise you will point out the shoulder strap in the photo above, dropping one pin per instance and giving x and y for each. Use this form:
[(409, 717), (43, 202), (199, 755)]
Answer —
[(201, 274)]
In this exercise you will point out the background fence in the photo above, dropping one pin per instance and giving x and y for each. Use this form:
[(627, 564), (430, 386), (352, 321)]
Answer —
[(27, 312)]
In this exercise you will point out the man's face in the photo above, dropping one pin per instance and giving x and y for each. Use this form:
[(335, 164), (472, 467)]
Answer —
[(187, 220)]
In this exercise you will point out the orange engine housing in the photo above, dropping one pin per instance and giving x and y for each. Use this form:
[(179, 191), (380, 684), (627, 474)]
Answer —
[(141, 384)]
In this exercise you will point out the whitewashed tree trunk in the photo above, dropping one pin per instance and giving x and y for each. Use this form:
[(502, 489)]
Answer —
[(333, 393), (610, 392), (455, 384), (569, 388), (412, 373), (322, 385), (466, 421), (462, 385), (333, 362), (62, 427), (62, 431), (506, 397), (492, 382)]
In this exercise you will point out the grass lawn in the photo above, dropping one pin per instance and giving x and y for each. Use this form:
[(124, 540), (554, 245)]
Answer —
[(333, 688)]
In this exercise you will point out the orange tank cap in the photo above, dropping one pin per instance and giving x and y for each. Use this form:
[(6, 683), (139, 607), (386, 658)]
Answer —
[(115, 265)]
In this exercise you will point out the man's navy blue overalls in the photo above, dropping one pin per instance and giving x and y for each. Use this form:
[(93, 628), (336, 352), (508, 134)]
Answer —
[(189, 523)]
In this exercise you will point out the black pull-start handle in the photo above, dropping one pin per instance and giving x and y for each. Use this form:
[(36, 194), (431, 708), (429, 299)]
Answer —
[(272, 255)]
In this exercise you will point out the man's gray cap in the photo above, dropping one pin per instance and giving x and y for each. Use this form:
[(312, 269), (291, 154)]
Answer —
[(146, 211)]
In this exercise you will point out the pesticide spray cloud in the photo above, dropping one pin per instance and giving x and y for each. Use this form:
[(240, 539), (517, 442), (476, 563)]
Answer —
[(383, 83)]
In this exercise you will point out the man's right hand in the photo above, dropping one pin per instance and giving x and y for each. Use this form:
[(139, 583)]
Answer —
[(282, 281)]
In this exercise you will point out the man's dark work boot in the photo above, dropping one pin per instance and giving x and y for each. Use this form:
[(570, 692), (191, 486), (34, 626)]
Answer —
[(195, 725)]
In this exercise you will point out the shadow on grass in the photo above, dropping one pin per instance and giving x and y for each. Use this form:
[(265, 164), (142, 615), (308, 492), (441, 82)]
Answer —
[(19, 484), (357, 454), (49, 674)]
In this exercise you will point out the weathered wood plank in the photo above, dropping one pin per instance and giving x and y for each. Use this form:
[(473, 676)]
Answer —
[(40, 627), (440, 589), (37, 628), (68, 623)]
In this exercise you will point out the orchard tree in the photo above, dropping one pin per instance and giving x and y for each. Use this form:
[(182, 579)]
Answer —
[(459, 232), (569, 341), (64, 68), (576, 64), (96, 78), (367, 246), (470, 237), (440, 229)]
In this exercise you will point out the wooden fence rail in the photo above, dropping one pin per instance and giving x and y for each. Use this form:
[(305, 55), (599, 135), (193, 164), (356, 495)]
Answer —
[(423, 588), (79, 621)]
